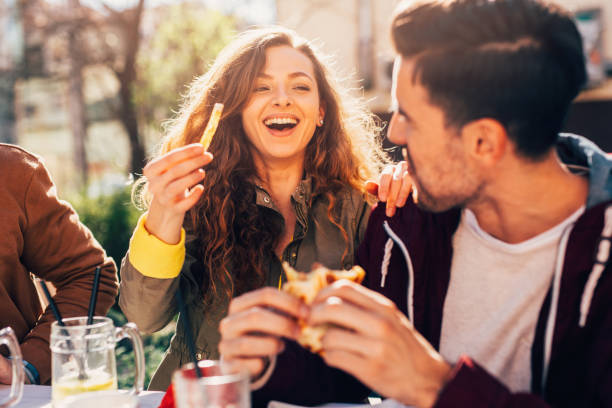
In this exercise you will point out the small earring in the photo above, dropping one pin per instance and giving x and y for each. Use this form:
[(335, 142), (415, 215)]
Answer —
[(321, 122)]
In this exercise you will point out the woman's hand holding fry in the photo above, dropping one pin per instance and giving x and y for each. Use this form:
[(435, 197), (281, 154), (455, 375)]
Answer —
[(174, 184)]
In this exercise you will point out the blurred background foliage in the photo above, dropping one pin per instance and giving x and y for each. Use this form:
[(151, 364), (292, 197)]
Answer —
[(111, 219), (186, 39), (185, 43)]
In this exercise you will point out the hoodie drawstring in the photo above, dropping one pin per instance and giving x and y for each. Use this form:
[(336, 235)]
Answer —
[(384, 268), (554, 302), (404, 250), (603, 255)]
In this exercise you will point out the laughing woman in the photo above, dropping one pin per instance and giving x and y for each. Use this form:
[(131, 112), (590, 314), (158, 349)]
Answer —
[(282, 180)]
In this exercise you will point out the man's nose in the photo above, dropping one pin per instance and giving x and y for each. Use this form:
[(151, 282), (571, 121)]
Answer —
[(395, 134)]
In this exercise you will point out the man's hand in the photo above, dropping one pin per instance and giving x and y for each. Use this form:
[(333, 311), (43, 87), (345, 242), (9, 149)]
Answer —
[(6, 373), (375, 342), (393, 186), (256, 323)]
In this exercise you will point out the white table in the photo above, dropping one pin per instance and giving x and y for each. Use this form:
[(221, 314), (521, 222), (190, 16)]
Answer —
[(36, 396)]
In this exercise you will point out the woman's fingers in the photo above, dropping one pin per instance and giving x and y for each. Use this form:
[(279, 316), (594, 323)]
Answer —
[(404, 190), (395, 187), (168, 160), (158, 183), (178, 190), (384, 182)]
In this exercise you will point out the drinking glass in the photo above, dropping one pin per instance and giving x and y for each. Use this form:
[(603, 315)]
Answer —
[(7, 338), (83, 356), (223, 385)]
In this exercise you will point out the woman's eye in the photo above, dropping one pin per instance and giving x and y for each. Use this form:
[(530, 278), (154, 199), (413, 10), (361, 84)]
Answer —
[(302, 87), (261, 88)]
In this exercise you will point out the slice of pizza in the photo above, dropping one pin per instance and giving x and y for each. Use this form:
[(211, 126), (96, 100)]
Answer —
[(306, 285)]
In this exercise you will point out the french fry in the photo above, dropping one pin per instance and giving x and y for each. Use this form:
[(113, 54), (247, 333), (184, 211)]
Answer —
[(211, 126)]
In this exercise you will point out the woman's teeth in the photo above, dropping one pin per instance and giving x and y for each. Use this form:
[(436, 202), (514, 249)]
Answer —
[(280, 123)]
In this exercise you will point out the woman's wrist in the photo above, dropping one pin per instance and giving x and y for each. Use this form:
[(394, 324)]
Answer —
[(165, 226)]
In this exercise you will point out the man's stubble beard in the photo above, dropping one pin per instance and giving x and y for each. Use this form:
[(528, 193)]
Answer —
[(425, 200)]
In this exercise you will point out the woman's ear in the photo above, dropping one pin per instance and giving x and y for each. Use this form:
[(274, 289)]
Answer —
[(321, 120), (485, 140)]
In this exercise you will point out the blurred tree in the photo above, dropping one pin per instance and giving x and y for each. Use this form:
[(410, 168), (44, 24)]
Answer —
[(76, 101), (123, 63), (11, 62), (186, 40), (73, 35)]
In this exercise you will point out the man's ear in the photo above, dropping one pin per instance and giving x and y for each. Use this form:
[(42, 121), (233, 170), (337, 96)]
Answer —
[(486, 140)]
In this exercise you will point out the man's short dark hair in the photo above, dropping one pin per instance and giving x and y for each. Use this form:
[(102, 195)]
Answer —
[(517, 61)]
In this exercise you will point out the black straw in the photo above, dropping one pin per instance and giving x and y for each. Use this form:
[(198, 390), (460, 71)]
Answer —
[(54, 309), (94, 296), (188, 334)]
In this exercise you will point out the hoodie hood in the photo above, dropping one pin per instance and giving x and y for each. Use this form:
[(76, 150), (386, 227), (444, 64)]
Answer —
[(580, 153)]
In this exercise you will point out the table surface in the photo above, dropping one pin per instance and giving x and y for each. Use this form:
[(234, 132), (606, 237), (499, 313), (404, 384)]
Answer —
[(35, 396)]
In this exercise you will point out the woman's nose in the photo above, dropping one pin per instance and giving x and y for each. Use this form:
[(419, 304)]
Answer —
[(281, 98)]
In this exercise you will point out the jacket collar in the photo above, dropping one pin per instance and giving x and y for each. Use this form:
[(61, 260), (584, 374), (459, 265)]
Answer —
[(579, 153), (301, 196)]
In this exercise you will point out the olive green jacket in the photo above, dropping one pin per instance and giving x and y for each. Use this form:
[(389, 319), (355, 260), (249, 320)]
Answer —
[(149, 302)]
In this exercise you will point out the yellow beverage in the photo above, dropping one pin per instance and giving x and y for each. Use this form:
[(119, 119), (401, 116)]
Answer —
[(71, 385)]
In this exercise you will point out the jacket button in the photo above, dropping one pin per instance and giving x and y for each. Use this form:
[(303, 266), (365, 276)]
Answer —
[(199, 356), (267, 200)]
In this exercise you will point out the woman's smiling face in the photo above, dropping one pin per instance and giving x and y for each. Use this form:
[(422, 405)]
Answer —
[(284, 109)]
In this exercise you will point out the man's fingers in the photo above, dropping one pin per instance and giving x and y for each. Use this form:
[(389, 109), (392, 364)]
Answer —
[(357, 295), (254, 366), (352, 363), (336, 339), (258, 320), (270, 297), (342, 313), (250, 346)]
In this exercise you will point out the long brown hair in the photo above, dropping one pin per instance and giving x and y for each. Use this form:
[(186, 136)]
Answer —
[(234, 237)]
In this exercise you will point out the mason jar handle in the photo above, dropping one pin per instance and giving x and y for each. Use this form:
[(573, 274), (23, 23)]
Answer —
[(7, 337), (130, 331)]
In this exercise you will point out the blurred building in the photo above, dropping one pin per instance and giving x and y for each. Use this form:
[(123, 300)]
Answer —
[(355, 33)]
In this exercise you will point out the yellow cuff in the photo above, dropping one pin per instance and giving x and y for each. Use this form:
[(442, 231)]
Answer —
[(153, 257)]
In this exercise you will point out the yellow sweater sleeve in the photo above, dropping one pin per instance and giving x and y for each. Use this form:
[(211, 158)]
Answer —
[(153, 257)]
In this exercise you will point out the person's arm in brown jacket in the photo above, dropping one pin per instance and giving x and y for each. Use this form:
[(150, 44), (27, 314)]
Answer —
[(60, 249)]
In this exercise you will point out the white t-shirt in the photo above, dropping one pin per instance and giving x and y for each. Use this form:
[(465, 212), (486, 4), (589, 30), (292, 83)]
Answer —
[(494, 298)]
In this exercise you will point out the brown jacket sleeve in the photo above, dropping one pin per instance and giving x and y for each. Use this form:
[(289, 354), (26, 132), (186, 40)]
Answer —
[(58, 248)]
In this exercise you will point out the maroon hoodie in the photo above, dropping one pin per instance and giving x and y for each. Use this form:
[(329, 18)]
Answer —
[(571, 355)]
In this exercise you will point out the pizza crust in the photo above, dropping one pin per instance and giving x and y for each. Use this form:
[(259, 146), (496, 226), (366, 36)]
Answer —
[(306, 286)]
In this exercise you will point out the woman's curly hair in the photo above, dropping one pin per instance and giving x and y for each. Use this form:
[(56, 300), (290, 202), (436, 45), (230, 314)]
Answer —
[(233, 233)]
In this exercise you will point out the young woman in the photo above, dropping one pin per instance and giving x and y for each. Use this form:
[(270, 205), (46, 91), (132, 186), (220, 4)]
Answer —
[(283, 180)]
